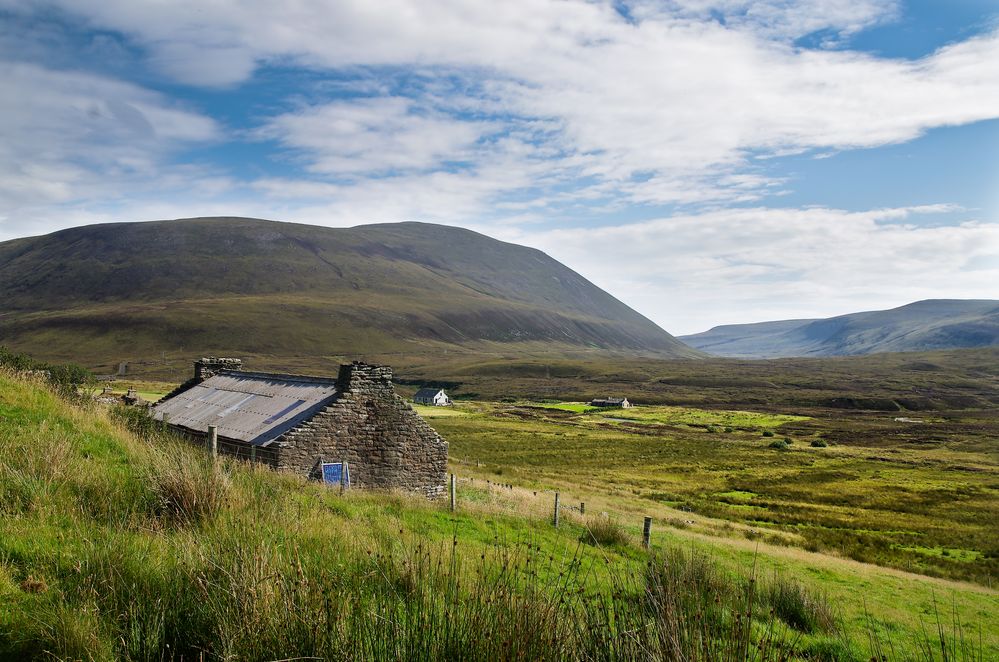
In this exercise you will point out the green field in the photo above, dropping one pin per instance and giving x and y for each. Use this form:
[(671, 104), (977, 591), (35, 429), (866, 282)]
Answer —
[(921, 497), (577, 407), (700, 418)]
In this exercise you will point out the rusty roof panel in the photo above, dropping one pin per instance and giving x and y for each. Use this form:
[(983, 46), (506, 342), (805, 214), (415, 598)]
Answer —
[(251, 407)]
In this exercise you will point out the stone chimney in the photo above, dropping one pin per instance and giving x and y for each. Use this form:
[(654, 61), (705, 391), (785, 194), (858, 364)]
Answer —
[(206, 367), (359, 376)]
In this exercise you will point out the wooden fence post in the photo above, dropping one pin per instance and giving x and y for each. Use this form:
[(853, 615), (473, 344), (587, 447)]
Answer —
[(647, 533), (213, 440), (253, 454), (555, 519), (343, 476), (452, 494), (166, 419), (582, 508)]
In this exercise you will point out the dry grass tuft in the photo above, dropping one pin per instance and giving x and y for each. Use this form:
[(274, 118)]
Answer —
[(189, 487), (802, 609), (34, 585), (604, 531)]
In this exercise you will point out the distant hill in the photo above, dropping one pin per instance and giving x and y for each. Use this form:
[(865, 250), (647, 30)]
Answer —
[(239, 285), (920, 326)]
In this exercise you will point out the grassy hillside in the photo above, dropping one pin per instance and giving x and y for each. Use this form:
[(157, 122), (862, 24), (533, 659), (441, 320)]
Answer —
[(117, 546), (920, 326), (134, 291), (903, 382)]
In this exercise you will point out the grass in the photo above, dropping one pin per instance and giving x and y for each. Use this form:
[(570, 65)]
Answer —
[(94, 566), (577, 407), (427, 411), (858, 485), (703, 418), (604, 531)]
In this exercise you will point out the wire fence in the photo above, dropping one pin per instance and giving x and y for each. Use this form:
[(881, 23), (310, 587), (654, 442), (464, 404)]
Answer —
[(462, 492), (553, 506), (239, 450)]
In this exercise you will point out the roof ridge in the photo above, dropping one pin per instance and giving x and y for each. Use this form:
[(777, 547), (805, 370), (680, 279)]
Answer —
[(278, 376)]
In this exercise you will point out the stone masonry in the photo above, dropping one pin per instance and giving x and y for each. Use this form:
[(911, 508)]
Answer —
[(385, 443), (210, 365)]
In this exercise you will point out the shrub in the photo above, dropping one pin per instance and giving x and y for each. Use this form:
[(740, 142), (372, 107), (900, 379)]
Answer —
[(779, 444), (729, 428), (818, 443), (603, 531), (788, 441), (137, 421), (66, 378), (768, 433), (16, 361)]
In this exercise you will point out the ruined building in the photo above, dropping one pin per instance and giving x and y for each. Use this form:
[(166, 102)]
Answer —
[(297, 423)]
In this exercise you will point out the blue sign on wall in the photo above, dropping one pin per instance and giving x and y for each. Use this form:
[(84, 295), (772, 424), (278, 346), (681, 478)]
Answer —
[(334, 473)]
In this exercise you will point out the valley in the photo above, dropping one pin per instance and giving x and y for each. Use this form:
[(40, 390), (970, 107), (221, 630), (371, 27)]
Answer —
[(821, 487)]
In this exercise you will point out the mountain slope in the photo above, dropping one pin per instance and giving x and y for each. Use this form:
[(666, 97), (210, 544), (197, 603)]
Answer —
[(920, 326), (253, 286)]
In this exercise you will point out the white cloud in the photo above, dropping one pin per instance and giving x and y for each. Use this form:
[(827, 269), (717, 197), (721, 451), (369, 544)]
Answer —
[(785, 19), (374, 136), (692, 272), (658, 103), (67, 137)]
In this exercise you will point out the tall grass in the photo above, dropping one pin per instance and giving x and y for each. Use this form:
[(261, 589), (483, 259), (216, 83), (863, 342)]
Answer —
[(602, 530), (804, 610), (143, 548), (189, 487)]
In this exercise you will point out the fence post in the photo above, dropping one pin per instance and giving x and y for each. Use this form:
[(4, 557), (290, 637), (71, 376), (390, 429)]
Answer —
[(253, 454), (213, 440), (166, 419), (555, 519), (452, 493), (582, 508), (647, 533)]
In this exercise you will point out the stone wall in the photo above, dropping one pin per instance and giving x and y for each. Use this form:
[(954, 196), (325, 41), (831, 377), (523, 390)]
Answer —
[(209, 366), (385, 442)]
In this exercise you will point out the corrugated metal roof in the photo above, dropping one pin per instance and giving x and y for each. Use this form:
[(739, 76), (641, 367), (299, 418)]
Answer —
[(248, 406)]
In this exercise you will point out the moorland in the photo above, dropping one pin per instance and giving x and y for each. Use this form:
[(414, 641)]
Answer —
[(118, 541)]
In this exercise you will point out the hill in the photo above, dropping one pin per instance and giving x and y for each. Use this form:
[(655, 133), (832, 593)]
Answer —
[(921, 326), (111, 292)]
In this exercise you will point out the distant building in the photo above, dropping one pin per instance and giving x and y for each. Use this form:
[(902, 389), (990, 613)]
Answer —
[(132, 397), (300, 424), (432, 396), (610, 402)]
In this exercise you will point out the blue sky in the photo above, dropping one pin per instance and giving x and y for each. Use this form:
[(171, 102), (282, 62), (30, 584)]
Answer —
[(706, 161)]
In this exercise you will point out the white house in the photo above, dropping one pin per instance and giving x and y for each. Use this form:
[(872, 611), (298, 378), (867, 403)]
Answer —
[(432, 396), (610, 402)]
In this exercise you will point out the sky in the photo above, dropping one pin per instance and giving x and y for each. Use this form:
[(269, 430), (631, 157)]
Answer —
[(705, 161)]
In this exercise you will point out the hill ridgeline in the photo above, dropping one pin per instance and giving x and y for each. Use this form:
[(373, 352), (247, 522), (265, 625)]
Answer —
[(921, 326), (239, 285)]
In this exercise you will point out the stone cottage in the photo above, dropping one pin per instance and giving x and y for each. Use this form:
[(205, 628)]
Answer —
[(297, 423)]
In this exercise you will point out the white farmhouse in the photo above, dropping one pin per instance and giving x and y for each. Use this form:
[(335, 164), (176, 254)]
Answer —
[(432, 396)]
